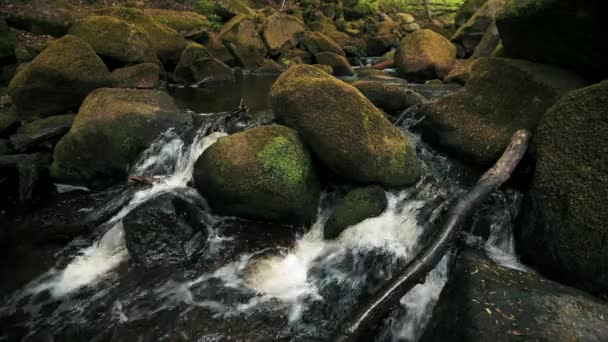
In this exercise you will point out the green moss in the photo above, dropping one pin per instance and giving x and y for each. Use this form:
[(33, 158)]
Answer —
[(357, 205), (282, 160), (187, 24)]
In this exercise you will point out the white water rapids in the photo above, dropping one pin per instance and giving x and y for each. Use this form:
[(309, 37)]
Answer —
[(303, 279)]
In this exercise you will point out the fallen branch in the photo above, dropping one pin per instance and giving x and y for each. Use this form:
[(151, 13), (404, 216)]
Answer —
[(383, 65), (416, 271)]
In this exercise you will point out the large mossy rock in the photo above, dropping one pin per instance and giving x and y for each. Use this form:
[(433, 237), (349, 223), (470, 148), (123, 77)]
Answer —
[(486, 302), (501, 96), (166, 42), (111, 129), (8, 42), (142, 76), (356, 206), (263, 173), (345, 131), (391, 98), (425, 54), (281, 32), (53, 17), (114, 40), (562, 228), (566, 33), (197, 64), (186, 24), (316, 42), (470, 34), (59, 78), (241, 37)]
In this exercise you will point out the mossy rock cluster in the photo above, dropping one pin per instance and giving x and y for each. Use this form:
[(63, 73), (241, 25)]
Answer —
[(228, 9), (501, 96), (8, 42), (111, 129), (425, 54), (264, 173), (316, 42), (186, 24), (281, 31), (356, 206), (240, 36), (565, 33), (141, 76), (114, 39), (344, 130), (391, 98), (470, 34), (562, 229), (59, 78), (52, 17), (197, 64)]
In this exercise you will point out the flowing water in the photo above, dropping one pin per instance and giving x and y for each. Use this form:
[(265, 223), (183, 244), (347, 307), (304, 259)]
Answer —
[(256, 281)]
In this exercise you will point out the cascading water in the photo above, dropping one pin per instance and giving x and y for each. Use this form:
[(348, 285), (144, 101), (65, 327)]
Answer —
[(297, 290)]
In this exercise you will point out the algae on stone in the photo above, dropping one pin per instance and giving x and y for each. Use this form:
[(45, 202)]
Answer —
[(357, 205)]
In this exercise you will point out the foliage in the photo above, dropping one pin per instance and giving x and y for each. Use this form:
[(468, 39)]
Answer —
[(216, 22), (207, 8)]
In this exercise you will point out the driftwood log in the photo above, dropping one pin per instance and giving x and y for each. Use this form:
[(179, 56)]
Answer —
[(379, 305)]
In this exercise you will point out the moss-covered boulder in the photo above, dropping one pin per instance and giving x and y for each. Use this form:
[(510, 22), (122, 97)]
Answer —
[(8, 42), (338, 63), (111, 129), (53, 17), (221, 52), (461, 72), (470, 34), (228, 9), (356, 206), (391, 98), (281, 31), (344, 130), (263, 173), (270, 67), (59, 78), (327, 27), (186, 24), (566, 33), (316, 42), (142, 76), (114, 39), (240, 35), (562, 228), (166, 42), (501, 96), (425, 54), (197, 64)]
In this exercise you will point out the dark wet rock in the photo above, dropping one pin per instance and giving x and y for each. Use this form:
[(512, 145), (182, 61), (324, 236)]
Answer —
[(58, 79), (379, 44), (477, 123), (466, 11), (343, 128), (52, 17), (9, 120), (270, 67), (8, 42), (317, 42), (142, 76), (338, 63), (562, 229), (281, 31), (425, 54), (327, 27), (483, 301), (262, 173), (168, 229), (46, 123), (111, 129), (470, 34), (5, 147), (488, 43), (241, 37), (391, 98), (187, 24), (221, 52), (566, 33), (304, 55), (461, 72), (31, 169), (41, 134), (197, 64), (357, 205)]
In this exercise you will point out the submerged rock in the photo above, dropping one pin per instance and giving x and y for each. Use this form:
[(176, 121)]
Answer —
[(425, 54), (562, 228), (344, 130), (338, 63), (281, 31), (111, 129), (566, 33), (476, 124), (357, 205), (486, 302), (391, 98), (142, 76), (241, 37), (166, 230), (197, 64), (262, 173), (59, 78), (114, 40)]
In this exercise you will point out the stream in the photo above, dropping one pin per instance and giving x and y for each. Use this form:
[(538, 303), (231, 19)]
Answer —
[(256, 281)]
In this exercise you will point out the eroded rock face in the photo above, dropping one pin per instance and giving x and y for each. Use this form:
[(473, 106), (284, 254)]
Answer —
[(566, 33), (476, 124), (166, 230), (197, 64), (425, 54), (58, 79), (281, 31), (263, 173), (111, 129), (357, 205), (316, 42), (562, 227), (344, 130), (114, 39), (142, 76), (483, 302), (240, 35)]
